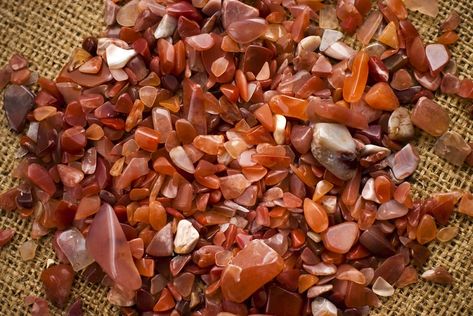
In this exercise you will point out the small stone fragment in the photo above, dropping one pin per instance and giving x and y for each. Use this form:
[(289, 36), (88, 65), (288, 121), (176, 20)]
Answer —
[(446, 234), (6, 236), (186, 237), (400, 125), (333, 146), (382, 288), (438, 275), (430, 117), (251, 268), (57, 282), (452, 147), (17, 102), (323, 307)]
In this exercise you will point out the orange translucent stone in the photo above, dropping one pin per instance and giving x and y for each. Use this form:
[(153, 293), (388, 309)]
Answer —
[(300, 25), (306, 281), (381, 96), (389, 36), (427, 230), (382, 188), (265, 117), (89, 205), (448, 38), (94, 132), (209, 144), (466, 204), (251, 268), (289, 106), (352, 190), (354, 85), (173, 104), (398, 8), (315, 216), (323, 187), (165, 301), (157, 215), (147, 138), (403, 194), (340, 238), (298, 238), (145, 267), (367, 30)]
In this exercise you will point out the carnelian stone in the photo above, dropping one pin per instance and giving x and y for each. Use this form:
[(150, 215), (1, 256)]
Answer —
[(289, 106), (341, 237), (315, 215), (251, 268), (382, 97), (354, 85), (147, 138)]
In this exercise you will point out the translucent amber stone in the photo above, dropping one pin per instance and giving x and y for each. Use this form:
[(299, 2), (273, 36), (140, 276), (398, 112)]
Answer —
[(289, 106), (381, 96), (136, 168), (340, 238), (315, 215), (147, 138), (427, 230), (283, 301), (354, 85), (446, 234), (389, 36), (251, 268)]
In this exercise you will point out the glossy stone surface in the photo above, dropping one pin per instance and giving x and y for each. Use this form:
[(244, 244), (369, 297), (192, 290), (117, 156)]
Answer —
[(340, 238), (73, 245), (333, 146), (108, 246), (452, 147), (405, 162), (315, 216), (57, 282), (400, 125), (381, 96), (251, 268), (354, 85), (186, 237), (162, 243), (430, 117)]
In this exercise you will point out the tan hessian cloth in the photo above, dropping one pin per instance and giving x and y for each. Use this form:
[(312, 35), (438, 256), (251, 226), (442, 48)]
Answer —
[(46, 31)]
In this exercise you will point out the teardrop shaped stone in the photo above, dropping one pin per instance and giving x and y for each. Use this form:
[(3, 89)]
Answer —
[(107, 244)]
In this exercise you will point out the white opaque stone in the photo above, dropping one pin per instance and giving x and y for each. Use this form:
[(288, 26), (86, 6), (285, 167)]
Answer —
[(166, 27), (339, 51), (186, 237), (328, 38), (118, 57)]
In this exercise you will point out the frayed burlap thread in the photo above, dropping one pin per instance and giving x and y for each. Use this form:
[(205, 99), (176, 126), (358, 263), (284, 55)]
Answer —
[(46, 31)]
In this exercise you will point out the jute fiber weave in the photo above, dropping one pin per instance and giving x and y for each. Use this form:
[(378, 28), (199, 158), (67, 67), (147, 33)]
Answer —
[(46, 31)]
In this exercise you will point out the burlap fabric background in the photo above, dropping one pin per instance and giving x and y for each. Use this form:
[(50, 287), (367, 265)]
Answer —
[(46, 31)]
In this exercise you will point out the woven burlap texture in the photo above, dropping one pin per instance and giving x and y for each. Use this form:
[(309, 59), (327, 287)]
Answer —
[(46, 31)]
